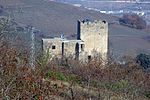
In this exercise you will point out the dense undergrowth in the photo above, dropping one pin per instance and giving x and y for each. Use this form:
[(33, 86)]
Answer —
[(46, 82)]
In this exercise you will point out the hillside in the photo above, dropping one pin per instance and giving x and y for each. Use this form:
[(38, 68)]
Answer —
[(24, 78), (53, 18)]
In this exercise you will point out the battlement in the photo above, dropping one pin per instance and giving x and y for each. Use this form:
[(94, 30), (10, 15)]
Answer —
[(91, 22)]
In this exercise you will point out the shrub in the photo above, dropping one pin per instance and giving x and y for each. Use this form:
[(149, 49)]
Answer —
[(116, 86), (147, 94), (144, 60), (56, 75), (61, 76), (44, 59)]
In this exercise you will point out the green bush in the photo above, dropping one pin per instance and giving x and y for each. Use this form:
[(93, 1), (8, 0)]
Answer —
[(61, 76), (144, 60), (120, 85), (56, 75)]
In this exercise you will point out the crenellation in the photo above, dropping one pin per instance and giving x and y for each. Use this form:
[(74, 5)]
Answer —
[(95, 22)]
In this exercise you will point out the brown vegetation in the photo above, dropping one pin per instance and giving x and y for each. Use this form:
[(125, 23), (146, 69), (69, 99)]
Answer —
[(75, 80), (133, 20)]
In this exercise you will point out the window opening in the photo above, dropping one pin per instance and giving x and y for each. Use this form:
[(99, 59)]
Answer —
[(82, 47), (53, 47), (89, 57)]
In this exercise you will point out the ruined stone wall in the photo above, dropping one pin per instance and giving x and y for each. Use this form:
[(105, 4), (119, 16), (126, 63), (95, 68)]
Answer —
[(69, 48), (60, 47), (54, 46)]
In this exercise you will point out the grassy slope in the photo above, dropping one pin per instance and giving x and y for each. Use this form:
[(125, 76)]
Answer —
[(54, 18)]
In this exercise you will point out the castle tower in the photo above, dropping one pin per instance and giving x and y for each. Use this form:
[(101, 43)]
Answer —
[(94, 34)]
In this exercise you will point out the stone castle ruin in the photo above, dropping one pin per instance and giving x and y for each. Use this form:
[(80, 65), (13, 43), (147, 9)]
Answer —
[(91, 41)]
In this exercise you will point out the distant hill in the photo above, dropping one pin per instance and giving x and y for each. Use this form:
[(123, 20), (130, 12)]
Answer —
[(53, 18), (50, 17)]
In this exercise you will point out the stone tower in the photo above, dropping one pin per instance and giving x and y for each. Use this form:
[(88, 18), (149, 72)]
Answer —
[(94, 35)]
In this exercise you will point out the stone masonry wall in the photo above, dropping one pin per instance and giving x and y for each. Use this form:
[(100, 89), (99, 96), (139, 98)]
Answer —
[(95, 37)]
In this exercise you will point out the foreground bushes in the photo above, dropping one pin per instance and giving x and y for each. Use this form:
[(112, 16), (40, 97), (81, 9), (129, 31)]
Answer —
[(22, 82), (71, 80)]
